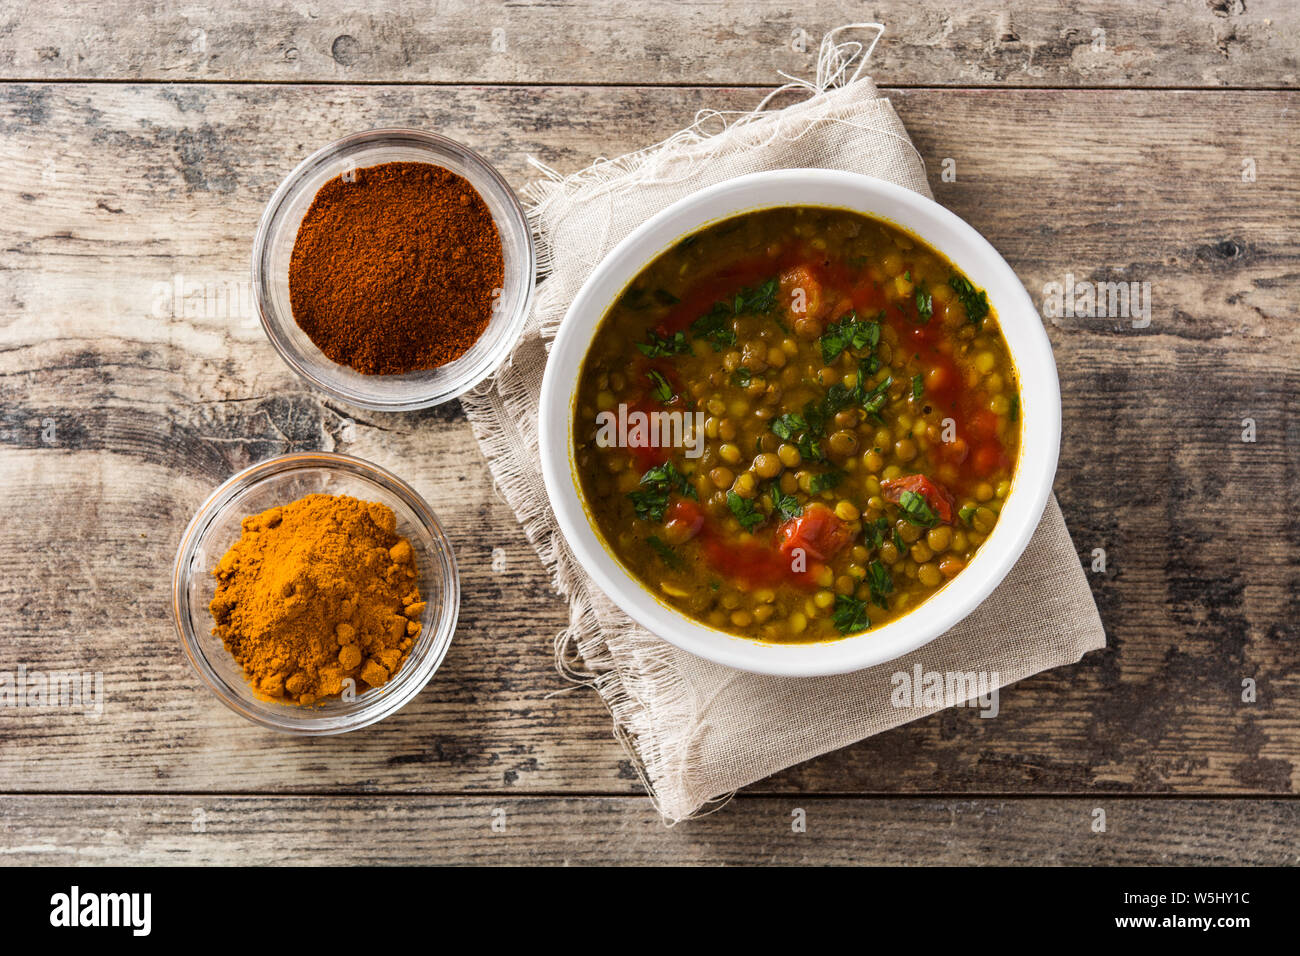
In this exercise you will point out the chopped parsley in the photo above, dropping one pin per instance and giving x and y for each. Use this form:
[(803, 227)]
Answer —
[(850, 615), (809, 448), (825, 481), (742, 377), (649, 502), (665, 298), (785, 427), (848, 333), (974, 300), (924, 303), (744, 511), (967, 513), (783, 505), (874, 534), (899, 543), (874, 400), (817, 414), (917, 510), (759, 299), (662, 390), (715, 325), (657, 484), (656, 346), (918, 387), (881, 583)]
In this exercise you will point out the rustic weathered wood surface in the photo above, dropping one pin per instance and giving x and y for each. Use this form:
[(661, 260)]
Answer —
[(121, 408), (198, 829), (637, 42)]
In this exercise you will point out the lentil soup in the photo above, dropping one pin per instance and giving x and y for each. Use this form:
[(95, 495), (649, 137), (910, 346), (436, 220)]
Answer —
[(846, 433)]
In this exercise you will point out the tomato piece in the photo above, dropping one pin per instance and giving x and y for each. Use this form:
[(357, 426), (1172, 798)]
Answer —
[(817, 531), (755, 564), (868, 296), (683, 520), (983, 424), (646, 456), (935, 495), (942, 380), (986, 459), (801, 292)]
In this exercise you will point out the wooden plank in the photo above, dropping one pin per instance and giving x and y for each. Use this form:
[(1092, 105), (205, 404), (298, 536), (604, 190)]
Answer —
[(251, 831), (114, 190), (930, 43)]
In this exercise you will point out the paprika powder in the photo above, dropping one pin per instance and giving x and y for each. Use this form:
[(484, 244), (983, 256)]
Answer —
[(396, 268)]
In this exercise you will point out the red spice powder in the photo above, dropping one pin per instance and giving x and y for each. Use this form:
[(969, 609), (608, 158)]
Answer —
[(396, 268)]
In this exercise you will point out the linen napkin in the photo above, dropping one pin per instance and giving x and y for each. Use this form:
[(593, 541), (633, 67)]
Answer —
[(697, 731)]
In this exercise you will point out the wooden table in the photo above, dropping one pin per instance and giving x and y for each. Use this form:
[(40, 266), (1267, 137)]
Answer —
[(1107, 140)]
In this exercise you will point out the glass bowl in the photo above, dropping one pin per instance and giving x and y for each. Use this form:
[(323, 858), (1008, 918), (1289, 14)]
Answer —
[(278, 230), (279, 481)]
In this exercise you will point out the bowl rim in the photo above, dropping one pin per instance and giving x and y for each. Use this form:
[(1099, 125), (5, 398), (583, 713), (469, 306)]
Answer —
[(380, 707), (1030, 351), (299, 176)]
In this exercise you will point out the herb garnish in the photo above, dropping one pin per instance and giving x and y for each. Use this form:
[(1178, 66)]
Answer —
[(714, 325), (874, 534), (809, 448), (744, 510), (967, 513), (975, 301), (825, 481), (742, 377), (881, 584), (874, 400), (656, 346), (924, 303), (662, 390), (783, 505), (850, 615), (787, 426), (918, 387), (848, 333), (760, 298), (657, 484), (917, 510)]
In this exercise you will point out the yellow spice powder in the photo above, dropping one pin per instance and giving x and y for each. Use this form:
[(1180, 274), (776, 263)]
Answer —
[(315, 593)]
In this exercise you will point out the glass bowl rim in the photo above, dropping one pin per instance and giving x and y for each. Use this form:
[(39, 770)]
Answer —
[(425, 667), (486, 177)]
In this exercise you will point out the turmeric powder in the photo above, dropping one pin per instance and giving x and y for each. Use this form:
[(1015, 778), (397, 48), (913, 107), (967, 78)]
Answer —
[(315, 593)]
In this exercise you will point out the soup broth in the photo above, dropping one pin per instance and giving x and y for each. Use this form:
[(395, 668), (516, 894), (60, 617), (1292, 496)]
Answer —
[(797, 423)]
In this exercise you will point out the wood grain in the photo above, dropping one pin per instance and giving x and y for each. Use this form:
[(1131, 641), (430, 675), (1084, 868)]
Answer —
[(194, 830), (929, 43), (122, 409)]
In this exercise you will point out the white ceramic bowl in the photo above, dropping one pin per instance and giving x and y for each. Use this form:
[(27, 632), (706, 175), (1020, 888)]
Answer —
[(971, 253)]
